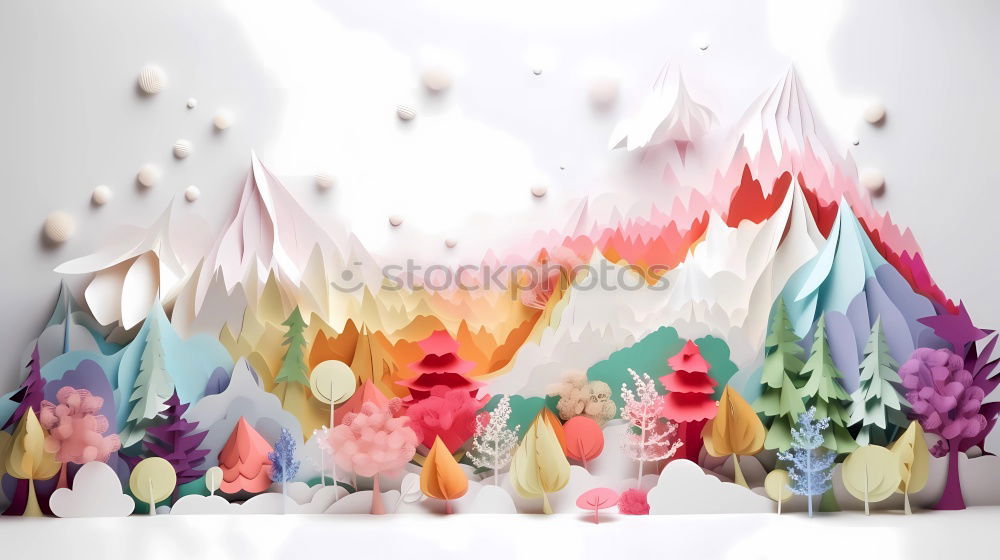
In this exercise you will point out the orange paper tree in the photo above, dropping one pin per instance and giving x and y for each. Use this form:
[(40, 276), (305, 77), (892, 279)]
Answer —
[(244, 462), (735, 430), (441, 478), (584, 439), (689, 400)]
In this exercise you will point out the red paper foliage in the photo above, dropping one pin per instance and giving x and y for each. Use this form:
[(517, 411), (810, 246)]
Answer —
[(447, 413), (244, 462), (584, 439)]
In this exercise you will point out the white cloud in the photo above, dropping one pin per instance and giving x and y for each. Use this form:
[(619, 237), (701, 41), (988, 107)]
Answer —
[(684, 488), (313, 500), (96, 492)]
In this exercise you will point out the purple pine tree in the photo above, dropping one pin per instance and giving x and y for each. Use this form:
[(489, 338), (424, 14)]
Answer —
[(176, 441), (30, 393), (810, 468), (284, 465)]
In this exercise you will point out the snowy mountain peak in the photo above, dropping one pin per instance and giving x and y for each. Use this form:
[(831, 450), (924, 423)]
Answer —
[(668, 114)]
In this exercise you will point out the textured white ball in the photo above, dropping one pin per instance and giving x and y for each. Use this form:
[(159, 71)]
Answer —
[(192, 193), (101, 195), (604, 93), (436, 80), (192, 103), (324, 181), (450, 243), (152, 79), (874, 113), (856, 141), (223, 119), (395, 220), (59, 226), (148, 175), (873, 180), (537, 70), (703, 45), (183, 148), (538, 191), (405, 112)]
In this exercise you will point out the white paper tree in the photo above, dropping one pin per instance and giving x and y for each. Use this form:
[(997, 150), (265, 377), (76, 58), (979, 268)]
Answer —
[(493, 442), (651, 436), (152, 388)]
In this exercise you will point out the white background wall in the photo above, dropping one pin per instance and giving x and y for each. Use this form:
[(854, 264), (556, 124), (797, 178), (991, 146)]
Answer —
[(314, 85)]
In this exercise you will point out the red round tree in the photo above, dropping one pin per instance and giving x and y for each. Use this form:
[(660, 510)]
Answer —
[(689, 398)]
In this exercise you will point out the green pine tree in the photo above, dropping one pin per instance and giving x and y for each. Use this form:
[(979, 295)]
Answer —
[(877, 405), (823, 390), (780, 402), (153, 387), (293, 368)]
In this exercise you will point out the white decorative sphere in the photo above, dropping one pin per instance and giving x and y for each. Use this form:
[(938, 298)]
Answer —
[(192, 193), (101, 195), (538, 191), (450, 243), (148, 175), (324, 181), (152, 79), (537, 70), (874, 113), (192, 103), (183, 148), (703, 45), (436, 80), (59, 226), (873, 180), (223, 119), (856, 141), (604, 93), (405, 112), (395, 220)]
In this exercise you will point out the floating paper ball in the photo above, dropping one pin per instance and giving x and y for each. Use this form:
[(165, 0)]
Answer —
[(538, 191), (101, 195), (148, 175), (604, 93), (873, 180), (192, 103), (856, 141), (223, 119), (59, 226), (537, 70), (192, 193), (436, 80), (874, 113), (152, 79), (324, 181), (395, 220), (183, 148), (450, 243), (406, 113), (703, 45)]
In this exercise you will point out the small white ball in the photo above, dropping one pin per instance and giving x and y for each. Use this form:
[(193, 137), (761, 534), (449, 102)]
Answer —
[(436, 80), (192, 103), (856, 141), (405, 112), (538, 191), (101, 195), (223, 119), (395, 220), (324, 181), (604, 93), (537, 70), (152, 79), (148, 175), (450, 243), (183, 148), (192, 193), (874, 113), (59, 226), (873, 180), (703, 45)]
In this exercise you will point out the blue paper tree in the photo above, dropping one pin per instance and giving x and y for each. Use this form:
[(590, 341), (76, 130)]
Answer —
[(284, 465), (810, 467)]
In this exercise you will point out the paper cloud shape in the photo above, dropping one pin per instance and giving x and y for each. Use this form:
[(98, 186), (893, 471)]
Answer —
[(302, 500), (683, 488), (96, 492)]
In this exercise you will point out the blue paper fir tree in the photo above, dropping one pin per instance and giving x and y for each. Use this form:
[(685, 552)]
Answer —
[(811, 468), (284, 465)]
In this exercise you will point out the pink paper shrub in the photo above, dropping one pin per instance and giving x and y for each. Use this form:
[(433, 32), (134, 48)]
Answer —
[(447, 413), (942, 394), (633, 502), (372, 441), (75, 432)]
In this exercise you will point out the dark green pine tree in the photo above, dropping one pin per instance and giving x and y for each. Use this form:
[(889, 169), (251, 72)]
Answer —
[(823, 391), (293, 368), (780, 402)]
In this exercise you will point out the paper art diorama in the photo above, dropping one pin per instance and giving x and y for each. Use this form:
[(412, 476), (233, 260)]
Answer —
[(784, 350)]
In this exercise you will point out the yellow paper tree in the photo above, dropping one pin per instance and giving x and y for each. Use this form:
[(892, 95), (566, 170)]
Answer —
[(152, 480), (539, 466), (735, 430), (911, 450), (777, 484), (28, 459), (441, 478), (871, 473)]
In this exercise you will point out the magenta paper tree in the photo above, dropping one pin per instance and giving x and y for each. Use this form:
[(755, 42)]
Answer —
[(177, 441), (948, 402), (449, 414), (29, 394), (651, 436), (75, 430), (371, 442)]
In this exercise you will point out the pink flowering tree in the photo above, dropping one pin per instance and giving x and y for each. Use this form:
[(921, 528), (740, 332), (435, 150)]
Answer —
[(371, 442), (948, 401), (652, 436), (76, 432), (449, 414)]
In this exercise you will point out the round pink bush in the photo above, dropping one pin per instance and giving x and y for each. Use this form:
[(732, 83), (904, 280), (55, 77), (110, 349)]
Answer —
[(75, 432), (942, 394), (372, 441), (633, 502)]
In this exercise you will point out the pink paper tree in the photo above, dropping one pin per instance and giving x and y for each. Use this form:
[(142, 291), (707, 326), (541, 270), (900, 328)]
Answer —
[(947, 402), (633, 502), (689, 399), (75, 431), (652, 435), (447, 413), (596, 500), (371, 442)]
